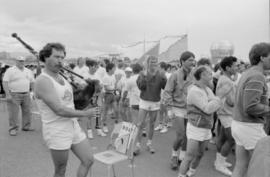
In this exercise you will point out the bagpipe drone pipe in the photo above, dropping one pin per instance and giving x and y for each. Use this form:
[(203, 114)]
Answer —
[(84, 96)]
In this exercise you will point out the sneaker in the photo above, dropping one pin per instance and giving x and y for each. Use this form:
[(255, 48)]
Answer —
[(191, 172), (105, 129), (101, 133), (223, 169), (174, 163), (164, 129), (212, 141), (13, 132), (137, 150), (227, 164), (150, 149), (159, 127), (28, 129), (90, 134)]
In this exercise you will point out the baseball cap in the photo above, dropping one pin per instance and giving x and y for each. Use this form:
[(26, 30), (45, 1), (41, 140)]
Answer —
[(20, 58), (128, 69)]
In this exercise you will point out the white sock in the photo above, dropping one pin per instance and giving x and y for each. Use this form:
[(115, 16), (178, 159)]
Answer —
[(182, 155), (181, 175), (222, 159), (192, 170), (218, 157), (149, 142), (174, 153), (138, 144)]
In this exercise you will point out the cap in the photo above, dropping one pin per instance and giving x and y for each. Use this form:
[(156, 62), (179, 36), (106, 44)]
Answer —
[(128, 69), (20, 58)]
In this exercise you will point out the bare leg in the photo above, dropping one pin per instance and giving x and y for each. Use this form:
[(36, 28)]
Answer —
[(242, 161), (60, 158), (192, 151), (82, 151)]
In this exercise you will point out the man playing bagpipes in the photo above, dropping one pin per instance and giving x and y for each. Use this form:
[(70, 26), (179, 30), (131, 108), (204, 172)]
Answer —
[(55, 100)]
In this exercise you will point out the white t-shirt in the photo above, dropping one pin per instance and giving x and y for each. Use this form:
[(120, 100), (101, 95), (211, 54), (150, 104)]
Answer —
[(168, 75), (101, 72), (83, 71), (120, 72), (133, 90), (109, 81), (18, 80)]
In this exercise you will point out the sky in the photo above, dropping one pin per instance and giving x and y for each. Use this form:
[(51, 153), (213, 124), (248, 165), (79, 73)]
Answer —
[(91, 28)]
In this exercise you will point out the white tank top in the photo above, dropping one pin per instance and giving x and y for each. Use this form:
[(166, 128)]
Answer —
[(64, 95)]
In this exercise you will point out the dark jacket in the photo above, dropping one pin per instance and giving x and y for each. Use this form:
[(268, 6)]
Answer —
[(151, 86)]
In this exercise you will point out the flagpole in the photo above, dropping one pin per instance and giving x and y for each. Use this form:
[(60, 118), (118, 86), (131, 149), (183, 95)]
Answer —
[(144, 43)]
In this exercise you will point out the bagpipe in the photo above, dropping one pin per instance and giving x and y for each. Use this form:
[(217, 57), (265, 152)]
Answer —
[(84, 96)]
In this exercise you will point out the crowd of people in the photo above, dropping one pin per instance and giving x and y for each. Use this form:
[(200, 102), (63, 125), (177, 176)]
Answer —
[(226, 103)]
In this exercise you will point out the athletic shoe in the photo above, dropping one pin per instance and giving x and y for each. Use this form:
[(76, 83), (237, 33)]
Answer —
[(223, 169), (105, 129), (159, 127), (191, 172), (90, 133), (227, 164), (13, 132), (101, 133), (150, 148), (164, 129), (174, 163)]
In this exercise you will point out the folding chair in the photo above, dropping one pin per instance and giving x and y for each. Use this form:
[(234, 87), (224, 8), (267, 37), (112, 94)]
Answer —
[(121, 147)]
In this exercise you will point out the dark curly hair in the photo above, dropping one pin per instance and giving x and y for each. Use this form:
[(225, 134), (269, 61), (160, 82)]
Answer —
[(46, 51)]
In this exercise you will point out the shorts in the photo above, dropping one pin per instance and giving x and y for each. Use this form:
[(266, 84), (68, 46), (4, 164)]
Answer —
[(197, 133), (109, 98), (226, 121), (135, 107), (179, 112), (62, 134), (247, 134), (149, 105)]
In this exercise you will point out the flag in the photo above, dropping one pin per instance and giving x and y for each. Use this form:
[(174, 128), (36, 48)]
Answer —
[(175, 50), (154, 51)]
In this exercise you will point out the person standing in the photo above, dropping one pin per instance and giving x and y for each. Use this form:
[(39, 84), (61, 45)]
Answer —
[(174, 98), (150, 82), (251, 107), (110, 82), (201, 104), (227, 87), (133, 91), (92, 75), (18, 81), (60, 128)]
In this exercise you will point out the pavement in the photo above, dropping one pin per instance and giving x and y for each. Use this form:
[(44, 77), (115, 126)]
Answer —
[(26, 155)]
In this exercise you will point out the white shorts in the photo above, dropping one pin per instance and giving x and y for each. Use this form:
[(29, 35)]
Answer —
[(62, 134), (197, 133), (178, 112), (226, 121), (149, 105), (247, 134)]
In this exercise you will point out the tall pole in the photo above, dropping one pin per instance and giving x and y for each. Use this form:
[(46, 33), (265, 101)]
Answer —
[(144, 43)]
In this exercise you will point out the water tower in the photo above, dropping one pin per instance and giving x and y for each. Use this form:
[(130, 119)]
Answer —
[(221, 49)]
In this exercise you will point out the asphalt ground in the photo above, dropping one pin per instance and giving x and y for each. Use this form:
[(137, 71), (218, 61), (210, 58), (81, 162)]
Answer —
[(26, 155)]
